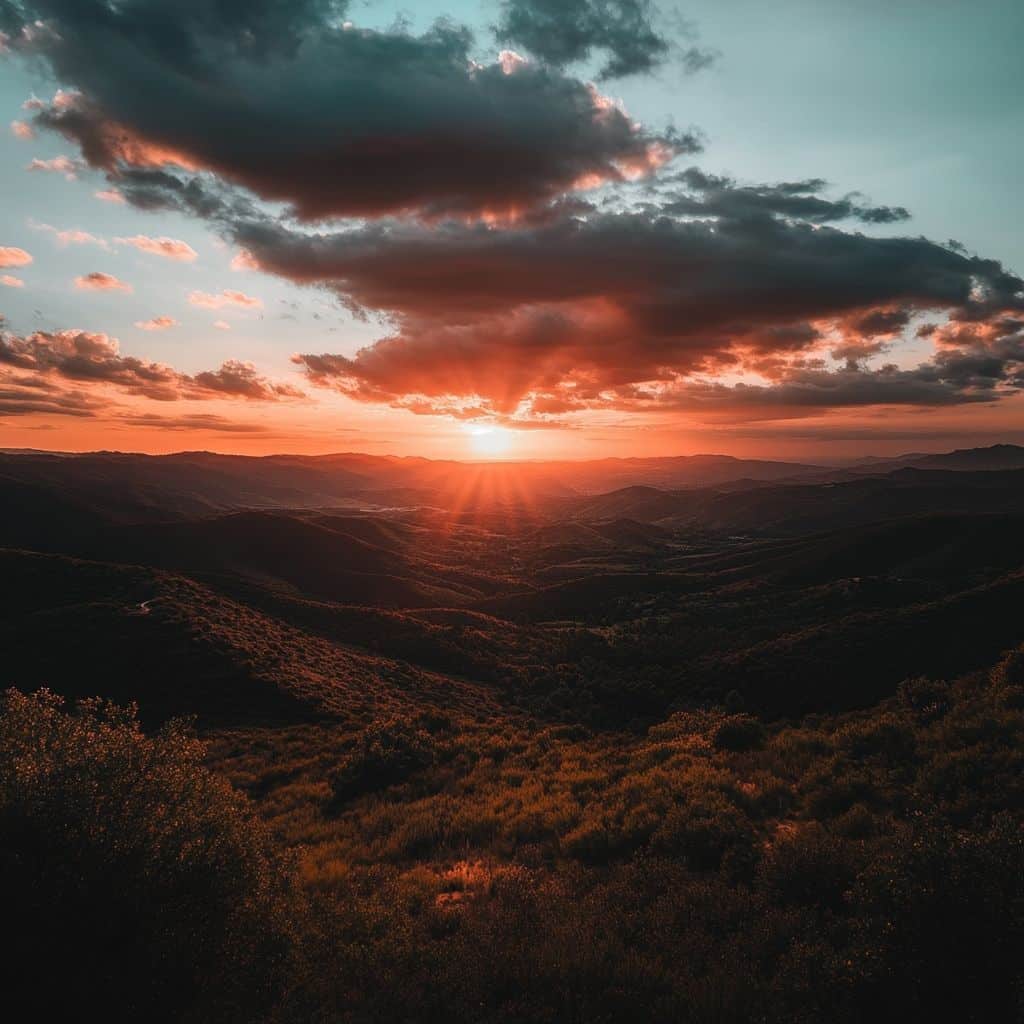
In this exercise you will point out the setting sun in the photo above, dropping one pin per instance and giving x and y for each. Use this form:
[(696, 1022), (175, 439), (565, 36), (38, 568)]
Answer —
[(488, 440)]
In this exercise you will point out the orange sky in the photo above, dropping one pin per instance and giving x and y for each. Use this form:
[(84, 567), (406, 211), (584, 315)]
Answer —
[(351, 426)]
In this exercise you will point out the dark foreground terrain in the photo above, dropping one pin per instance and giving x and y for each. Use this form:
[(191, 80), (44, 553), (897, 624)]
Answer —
[(640, 740)]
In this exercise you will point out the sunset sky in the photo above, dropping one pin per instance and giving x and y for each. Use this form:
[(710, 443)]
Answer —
[(525, 229)]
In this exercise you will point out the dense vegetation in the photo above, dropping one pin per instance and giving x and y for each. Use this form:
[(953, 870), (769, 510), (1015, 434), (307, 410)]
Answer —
[(601, 771), (862, 866)]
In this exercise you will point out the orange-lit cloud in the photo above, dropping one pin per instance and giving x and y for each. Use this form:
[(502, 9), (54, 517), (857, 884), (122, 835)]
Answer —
[(109, 195), (224, 300), (87, 360), (11, 281), (21, 130), (98, 281), (170, 248), (57, 165), (244, 260), (158, 323), (11, 256), (70, 236)]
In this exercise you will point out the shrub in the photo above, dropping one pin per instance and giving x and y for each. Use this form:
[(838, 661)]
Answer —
[(707, 833), (386, 754), (738, 733), (140, 882), (809, 867)]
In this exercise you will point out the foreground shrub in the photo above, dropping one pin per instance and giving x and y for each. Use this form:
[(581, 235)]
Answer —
[(138, 882), (939, 925)]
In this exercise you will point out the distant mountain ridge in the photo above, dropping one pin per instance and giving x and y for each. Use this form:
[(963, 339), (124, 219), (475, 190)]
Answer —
[(995, 457), (129, 488)]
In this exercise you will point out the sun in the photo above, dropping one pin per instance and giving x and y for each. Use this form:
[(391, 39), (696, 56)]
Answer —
[(489, 440)]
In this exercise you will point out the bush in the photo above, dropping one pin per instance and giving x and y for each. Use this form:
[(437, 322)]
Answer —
[(386, 754), (739, 733), (810, 867), (140, 882), (706, 834)]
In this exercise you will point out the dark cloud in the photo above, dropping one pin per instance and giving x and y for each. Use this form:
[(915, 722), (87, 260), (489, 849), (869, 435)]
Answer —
[(675, 276), (715, 196), (577, 312), (880, 321), (810, 392), (240, 380), (333, 120), (86, 358), (628, 32)]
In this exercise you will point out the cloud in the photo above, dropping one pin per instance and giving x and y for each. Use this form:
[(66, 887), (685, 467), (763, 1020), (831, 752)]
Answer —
[(224, 300), (24, 398), (618, 310), (11, 256), (21, 130), (70, 236), (97, 281), (193, 422), (715, 196), (170, 248), (109, 195), (222, 325), (627, 32), (329, 118), (86, 359), (244, 260), (242, 381), (158, 323), (805, 392), (58, 165), (11, 281)]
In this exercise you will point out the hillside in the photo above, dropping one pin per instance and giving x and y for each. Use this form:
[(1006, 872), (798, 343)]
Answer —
[(178, 648)]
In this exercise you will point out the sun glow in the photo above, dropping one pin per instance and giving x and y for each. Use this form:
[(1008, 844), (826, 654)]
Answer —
[(489, 440)]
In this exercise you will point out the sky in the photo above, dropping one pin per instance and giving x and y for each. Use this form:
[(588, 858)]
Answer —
[(517, 229)]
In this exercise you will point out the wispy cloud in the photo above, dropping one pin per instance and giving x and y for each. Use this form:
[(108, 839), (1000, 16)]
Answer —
[(224, 300), (158, 323), (58, 165), (70, 236)]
